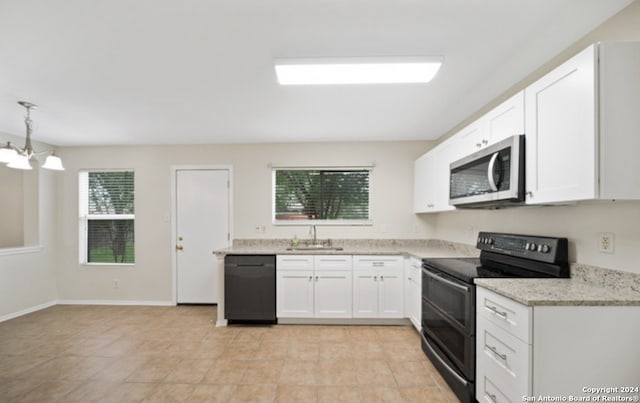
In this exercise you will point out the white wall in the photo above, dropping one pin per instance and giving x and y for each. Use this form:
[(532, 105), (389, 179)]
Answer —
[(28, 280), (11, 207), (150, 279), (580, 223)]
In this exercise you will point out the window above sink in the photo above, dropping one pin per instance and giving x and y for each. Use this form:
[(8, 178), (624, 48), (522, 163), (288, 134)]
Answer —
[(321, 196)]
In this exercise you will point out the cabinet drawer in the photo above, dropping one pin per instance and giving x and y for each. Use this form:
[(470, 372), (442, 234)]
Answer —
[(502, 357), (507, 314), (488, 392), (333, 262), (381, 261), (294, 262)]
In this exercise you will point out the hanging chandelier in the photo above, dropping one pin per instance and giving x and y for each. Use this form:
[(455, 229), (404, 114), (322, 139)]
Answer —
[(20, 157)]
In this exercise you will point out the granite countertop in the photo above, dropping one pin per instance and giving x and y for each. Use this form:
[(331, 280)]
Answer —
[(411, 247), (588, 286)]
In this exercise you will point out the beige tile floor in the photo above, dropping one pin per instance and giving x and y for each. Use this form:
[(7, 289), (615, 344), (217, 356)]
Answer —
[(176, 354)]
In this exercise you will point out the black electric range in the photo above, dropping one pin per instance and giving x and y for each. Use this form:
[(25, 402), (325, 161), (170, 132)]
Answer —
[(448, 297)]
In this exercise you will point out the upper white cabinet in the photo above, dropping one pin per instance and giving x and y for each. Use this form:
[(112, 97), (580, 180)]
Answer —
[(431, 171), (505, 120), (581, 127), (431, 180)]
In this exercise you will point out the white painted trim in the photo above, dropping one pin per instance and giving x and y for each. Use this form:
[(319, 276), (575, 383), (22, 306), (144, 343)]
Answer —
[(28, 310), (113, 302), (221, 323), (173, 169), (21, 250)]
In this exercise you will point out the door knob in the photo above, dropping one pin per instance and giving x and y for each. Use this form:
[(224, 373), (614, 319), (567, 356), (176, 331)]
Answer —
[(179, 247)]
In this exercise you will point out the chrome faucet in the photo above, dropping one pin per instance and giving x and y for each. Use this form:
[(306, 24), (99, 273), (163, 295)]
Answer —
[(313, 230)]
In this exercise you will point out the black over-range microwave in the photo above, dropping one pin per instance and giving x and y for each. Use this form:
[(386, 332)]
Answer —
[(491, 177)]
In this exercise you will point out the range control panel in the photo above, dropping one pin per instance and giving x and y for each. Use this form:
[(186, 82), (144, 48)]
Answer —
[(540, 248)]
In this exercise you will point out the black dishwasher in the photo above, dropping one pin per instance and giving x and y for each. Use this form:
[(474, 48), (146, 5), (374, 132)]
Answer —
[(250, 288)]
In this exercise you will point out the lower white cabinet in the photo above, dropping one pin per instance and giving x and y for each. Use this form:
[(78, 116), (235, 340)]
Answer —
[(544, 350), (378, 289), (413, 291), (310, 286)]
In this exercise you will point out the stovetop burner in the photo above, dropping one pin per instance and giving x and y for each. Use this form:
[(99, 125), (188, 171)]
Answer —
[(508, 255)]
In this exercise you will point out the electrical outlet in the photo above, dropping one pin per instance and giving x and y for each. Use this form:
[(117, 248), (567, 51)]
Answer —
[(606, 242)]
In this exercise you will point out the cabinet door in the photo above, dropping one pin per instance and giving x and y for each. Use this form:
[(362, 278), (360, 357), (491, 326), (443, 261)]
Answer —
[(471, 139), (390, 293), (561, 132), (365, 293), (413, 292), (332, 294), (294, 291), (439, 188), (507, 119), (422, 182)]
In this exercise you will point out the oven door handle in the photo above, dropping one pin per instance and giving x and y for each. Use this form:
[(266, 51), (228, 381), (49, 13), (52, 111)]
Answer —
[(492, 165), (444, 280), (444, 364)]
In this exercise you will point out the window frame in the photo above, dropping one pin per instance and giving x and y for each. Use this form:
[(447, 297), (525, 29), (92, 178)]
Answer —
[(325, 222), (83, 220)]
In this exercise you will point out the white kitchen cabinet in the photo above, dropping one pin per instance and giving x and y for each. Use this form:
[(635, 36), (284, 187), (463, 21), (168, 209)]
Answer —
[(552, 350), (431, 180), (294, 286), (313, 286), (431, 170), (378, 289), (333, 287), (413, 291), (581, 120), (505, 120)]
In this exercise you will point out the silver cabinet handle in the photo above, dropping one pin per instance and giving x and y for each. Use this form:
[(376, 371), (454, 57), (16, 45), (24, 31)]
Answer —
[(310, 278), (495, 351), (381, 278), (316, 279), (495, 310), (375, 278), (478, 145), (485, 142)]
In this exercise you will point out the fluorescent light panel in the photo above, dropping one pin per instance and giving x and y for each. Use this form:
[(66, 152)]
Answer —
[(364, 70)]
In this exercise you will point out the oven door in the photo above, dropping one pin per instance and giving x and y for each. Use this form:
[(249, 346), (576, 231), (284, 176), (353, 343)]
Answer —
[(494, 174), (448, 318)]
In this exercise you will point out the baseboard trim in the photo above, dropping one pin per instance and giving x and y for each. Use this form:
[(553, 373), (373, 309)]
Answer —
[(345, 321), (28, 310), (221, 323), (113, 302)]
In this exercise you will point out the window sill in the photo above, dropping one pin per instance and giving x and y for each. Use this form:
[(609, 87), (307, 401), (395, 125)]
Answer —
[(111, 265), (19, 250), (307, 223)]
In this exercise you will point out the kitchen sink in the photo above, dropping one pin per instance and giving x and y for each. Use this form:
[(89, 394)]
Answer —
[(314, 247)]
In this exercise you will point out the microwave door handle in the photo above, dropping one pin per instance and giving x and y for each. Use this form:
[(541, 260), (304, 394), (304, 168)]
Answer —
[(492, 164)]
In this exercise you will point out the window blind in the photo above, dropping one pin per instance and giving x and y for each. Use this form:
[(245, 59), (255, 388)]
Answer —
[(321, 194), (107, 200)]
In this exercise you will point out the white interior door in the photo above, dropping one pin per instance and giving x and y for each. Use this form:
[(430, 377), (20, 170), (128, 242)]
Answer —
[(202, 225)]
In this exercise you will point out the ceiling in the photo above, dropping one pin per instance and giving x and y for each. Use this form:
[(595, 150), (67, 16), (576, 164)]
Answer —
[(123, 72)]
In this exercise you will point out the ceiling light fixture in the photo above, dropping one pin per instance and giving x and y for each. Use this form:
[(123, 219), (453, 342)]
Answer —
[(358, 70), (19, 158)]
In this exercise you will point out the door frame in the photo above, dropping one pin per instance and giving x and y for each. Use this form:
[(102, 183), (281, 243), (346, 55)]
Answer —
[(174, 205)]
